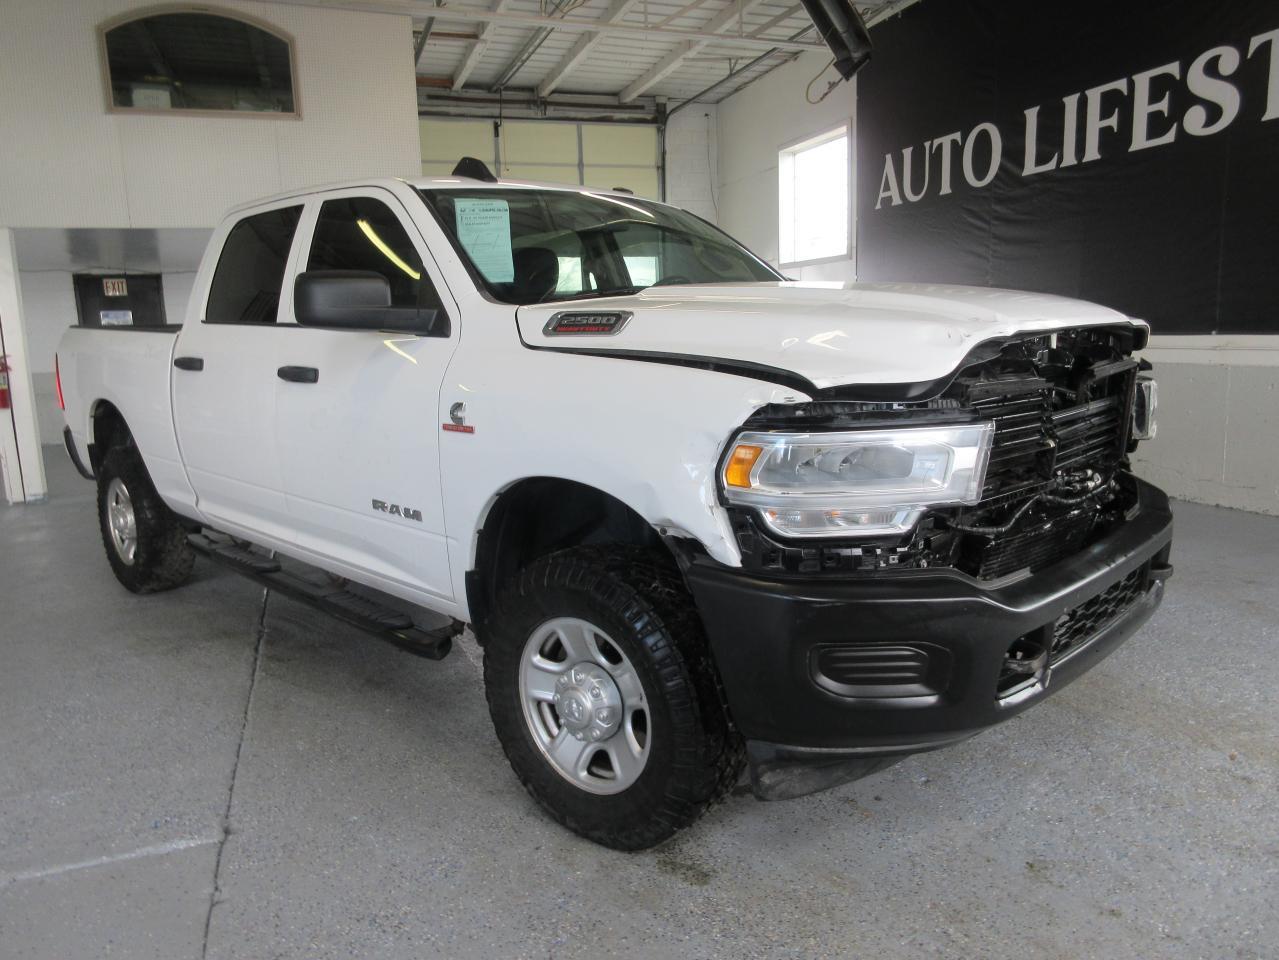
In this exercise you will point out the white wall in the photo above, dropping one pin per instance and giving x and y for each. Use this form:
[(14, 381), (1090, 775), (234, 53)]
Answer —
[(1219, 395), (692, 162), (1218, 420), (66, 161), (753, 125)]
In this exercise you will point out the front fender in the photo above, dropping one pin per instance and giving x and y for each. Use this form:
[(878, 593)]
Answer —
[(646, 434)]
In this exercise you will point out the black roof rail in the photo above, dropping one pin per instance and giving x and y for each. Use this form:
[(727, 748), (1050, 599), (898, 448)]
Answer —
[(624, 190), (474, 169)]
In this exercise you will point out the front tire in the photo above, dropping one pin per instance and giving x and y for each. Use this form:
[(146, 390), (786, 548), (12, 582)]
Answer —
[(145, 544), (604, 697)]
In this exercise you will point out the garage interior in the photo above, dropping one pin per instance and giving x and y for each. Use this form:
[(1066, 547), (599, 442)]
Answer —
[(221, 772)]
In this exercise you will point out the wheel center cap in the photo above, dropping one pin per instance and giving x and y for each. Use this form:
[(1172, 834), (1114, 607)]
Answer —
[(588, 702)]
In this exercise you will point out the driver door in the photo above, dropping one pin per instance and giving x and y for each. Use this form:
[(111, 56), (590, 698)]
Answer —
[(359, 444)]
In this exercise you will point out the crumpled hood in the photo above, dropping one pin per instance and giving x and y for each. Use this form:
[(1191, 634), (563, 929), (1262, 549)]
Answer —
[(831, 334)]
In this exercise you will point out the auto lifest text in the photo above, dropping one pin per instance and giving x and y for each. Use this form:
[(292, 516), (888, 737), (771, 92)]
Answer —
[(1125, 115)]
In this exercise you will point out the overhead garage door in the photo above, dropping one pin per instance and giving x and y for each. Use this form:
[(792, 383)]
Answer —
[(590, 154)]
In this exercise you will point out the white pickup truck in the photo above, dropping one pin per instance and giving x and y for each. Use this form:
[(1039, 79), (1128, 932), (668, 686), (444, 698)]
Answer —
[(698, 516)]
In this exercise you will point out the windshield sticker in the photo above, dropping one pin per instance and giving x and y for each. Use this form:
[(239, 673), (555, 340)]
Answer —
[(484, 230)]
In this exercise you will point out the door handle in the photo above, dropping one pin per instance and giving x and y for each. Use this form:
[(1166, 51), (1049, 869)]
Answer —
[(299, 374), (189, 363)]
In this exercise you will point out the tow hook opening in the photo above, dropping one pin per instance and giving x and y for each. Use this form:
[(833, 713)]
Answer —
[(1025, 666)]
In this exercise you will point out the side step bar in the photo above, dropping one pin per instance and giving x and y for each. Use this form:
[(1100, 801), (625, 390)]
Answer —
[(383, 622)]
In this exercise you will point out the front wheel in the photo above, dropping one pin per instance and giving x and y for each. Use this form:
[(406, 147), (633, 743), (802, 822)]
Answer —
[(604, 697)]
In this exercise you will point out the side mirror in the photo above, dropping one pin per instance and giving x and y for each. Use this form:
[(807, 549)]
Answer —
[(357, 300)]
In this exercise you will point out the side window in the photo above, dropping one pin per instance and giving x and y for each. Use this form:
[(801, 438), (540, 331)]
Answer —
[(246, 284), (360, 233)]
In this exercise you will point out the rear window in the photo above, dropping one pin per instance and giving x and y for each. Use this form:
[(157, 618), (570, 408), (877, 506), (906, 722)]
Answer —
[(250, 273)]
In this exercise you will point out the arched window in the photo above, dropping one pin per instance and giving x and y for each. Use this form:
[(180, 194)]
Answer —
[(179, 60)]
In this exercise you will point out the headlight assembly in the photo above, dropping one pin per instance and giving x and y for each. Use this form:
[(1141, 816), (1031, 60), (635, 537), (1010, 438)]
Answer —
[(857, 482)]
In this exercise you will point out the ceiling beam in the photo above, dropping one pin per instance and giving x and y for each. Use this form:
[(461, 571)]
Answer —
[(420, 44), (567, 24), (583, 46), (681, 12), (878, 15), (659, 71), (671, 62), (472, 58), (784, 15), (531, 46)]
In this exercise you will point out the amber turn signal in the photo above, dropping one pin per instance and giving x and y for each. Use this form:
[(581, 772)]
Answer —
[(738, 471)]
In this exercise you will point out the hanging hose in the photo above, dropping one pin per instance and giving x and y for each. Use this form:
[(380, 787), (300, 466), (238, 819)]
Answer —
[(1004, 528), (808, 91), (1046, 496)]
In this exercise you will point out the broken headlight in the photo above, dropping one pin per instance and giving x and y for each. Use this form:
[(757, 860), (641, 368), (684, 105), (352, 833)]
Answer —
[(859, 482)]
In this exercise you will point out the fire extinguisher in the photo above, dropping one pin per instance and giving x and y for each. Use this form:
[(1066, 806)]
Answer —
[(4, 383)]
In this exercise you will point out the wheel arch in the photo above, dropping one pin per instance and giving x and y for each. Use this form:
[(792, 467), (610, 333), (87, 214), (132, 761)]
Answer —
[(535, 516), (107, 426)]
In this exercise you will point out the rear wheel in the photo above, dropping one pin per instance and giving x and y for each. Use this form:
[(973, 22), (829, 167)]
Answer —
[(145, 544), (604, 697)]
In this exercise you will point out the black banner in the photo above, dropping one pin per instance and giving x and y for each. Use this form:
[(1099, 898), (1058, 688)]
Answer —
[(1126, 153)]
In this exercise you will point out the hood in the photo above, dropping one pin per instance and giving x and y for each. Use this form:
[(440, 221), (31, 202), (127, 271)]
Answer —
[(829, 334)]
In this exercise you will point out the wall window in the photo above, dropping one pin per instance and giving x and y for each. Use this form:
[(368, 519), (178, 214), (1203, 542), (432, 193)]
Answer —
[(812, 195), (246, 285), (202, 61)]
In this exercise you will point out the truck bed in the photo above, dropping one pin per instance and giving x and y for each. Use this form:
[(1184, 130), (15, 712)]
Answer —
[(129, 368)]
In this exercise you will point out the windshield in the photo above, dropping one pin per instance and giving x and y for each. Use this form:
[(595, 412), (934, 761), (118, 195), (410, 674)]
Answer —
[(537, 246)]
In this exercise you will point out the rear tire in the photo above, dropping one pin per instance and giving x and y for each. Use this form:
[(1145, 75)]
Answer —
[(146, 546), (627, 786)]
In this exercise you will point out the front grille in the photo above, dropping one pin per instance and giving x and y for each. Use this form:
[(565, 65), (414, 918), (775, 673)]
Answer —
[(1036, 445), (1033, 441), (1076, 627), (1029, 657), (1091, 433)]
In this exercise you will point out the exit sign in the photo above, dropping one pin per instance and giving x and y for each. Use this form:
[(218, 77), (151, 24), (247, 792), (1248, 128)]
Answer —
[(115, 287)]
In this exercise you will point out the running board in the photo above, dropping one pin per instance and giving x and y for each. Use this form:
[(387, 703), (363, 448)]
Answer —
[(383, 622)]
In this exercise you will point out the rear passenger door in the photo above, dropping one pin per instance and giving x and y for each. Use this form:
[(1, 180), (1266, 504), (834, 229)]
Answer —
[(359, 446), (224, 378)]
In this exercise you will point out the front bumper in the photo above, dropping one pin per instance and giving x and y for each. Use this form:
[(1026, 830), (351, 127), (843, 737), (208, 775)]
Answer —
[(829, 680)]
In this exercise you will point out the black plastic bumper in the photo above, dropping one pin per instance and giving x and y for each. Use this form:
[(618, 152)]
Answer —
[(772, 637)]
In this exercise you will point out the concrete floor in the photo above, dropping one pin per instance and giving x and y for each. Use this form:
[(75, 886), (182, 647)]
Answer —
[(213, 773)]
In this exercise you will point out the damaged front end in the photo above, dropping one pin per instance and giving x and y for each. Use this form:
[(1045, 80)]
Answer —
[(1058, 475), (840, 655)]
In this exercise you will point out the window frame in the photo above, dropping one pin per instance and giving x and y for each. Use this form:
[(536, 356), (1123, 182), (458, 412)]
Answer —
[(808, 142), (230, 14), (305, 236), (223, 235)]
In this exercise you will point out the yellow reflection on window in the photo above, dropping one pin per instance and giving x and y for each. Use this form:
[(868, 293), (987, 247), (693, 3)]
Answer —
[(387, 252)]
